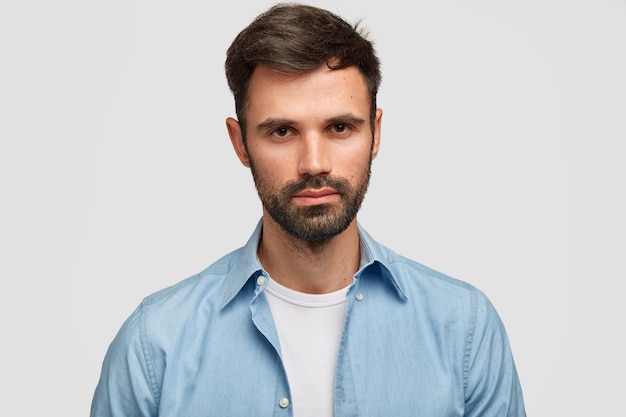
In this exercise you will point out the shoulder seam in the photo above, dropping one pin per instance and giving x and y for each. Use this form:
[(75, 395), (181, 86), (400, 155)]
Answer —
[(147, 353), (470, 339)]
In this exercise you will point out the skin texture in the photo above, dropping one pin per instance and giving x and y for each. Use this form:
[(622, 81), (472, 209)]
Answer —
[(310, 145)]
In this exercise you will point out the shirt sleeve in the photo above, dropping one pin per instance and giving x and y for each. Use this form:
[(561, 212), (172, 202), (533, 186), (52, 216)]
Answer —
[(492, 387), (125, 388)]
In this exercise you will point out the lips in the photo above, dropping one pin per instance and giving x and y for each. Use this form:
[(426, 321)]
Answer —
[(316, 193), (313, 197)]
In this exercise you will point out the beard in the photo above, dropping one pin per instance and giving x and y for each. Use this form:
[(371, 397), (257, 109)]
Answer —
[(313, 223)]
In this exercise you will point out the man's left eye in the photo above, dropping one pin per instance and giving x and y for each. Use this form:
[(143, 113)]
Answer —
[(340, 127)]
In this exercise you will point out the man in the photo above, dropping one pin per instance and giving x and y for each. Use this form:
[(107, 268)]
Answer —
[(311, 317)]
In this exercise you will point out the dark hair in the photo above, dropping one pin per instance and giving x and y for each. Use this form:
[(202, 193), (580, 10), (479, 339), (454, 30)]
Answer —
[(295, 39)]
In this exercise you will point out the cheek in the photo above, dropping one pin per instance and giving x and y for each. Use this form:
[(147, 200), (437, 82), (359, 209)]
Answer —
[(356, 163), (269, 171)]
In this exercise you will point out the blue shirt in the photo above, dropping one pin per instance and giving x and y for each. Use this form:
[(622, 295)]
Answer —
[(415, 343)]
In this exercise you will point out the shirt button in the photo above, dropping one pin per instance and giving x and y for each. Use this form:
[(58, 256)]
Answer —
[(260, 280), (283, 403), (359, 297)]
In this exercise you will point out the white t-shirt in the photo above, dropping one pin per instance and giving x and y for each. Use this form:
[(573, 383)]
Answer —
[(309, 329)]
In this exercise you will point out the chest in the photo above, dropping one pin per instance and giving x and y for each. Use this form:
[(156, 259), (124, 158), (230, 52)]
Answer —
[(388, 362)]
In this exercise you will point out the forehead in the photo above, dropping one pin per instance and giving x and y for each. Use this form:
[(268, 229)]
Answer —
[(324, 90)]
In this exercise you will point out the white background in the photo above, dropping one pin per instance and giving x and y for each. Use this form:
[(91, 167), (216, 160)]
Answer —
[(502, 164)]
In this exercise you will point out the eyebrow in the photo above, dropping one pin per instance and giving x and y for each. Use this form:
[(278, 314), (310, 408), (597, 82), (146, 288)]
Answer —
[(346, 118), (271, 123)]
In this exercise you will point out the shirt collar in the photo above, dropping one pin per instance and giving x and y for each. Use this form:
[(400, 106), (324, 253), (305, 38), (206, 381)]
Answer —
[(373, 255), (245, 263)]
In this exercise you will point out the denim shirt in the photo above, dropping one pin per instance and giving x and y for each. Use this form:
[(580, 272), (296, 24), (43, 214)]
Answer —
[(415, 343)]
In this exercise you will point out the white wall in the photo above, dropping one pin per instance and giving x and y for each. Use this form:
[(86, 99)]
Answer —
[(501, 164)]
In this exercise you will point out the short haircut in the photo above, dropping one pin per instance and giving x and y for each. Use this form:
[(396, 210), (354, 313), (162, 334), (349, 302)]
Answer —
[(298, 39)]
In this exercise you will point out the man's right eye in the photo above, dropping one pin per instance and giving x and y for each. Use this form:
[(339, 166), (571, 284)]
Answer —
[(281, 132)]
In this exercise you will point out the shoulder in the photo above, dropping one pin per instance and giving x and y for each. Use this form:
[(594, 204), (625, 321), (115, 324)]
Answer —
[(413, 273), (409, 275), (427, 286), (174, 314), (446, 295), (201, 291)]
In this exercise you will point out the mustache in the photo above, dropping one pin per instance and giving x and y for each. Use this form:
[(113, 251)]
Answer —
[(340, 185)]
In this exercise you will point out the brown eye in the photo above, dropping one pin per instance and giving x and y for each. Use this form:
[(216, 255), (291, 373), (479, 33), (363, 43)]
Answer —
[(340, 128), (281, 132)]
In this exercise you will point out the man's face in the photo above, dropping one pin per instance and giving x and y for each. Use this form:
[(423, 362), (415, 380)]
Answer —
[(309, 145)]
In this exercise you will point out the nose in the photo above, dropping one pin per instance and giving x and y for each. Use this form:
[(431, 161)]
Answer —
[(314, 158)]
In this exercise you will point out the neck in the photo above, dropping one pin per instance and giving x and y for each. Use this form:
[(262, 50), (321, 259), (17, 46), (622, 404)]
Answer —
[(310, 267)]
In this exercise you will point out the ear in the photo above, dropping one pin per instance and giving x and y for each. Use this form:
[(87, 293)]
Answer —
[(377, 125), (236, 138)]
